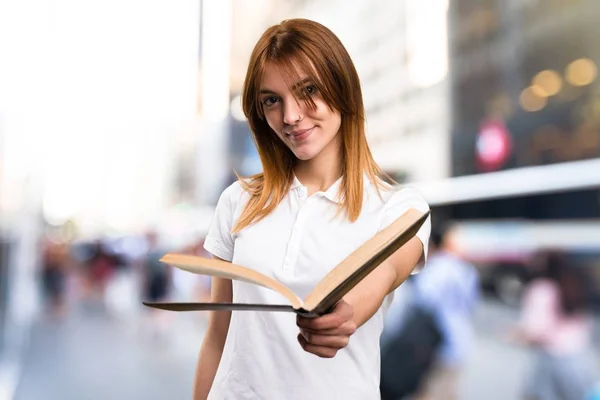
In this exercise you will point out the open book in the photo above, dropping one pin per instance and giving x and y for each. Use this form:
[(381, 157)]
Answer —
[(326, 293)]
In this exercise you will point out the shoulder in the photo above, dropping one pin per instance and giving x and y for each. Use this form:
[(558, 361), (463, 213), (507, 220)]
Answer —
[(231, 201), (233, 194), (399, 196), (235, 189)]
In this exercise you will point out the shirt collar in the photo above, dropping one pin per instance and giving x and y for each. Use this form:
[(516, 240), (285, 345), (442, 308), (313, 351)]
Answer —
[(332, 194), (295, 183)]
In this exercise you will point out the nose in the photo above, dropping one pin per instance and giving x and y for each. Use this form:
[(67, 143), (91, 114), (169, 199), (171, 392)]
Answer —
[(292, 112)]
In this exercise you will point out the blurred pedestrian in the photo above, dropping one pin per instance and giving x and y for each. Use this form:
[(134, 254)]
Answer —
[(156, 275), (556, 322), (54, 270), (157, 284), (424, 358), (100, 268)]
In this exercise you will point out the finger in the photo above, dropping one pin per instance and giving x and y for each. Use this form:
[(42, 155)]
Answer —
[(329, 321), (336, 342), (341, 313), (347, 329), (321, 351)]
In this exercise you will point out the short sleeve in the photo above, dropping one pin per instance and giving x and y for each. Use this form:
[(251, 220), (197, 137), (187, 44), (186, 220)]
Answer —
[(400, 202), (219, 240)]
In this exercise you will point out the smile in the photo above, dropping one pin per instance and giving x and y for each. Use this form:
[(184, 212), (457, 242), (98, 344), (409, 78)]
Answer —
[(300, 134)]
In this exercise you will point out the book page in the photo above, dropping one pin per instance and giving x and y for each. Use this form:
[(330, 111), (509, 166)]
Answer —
[(177, 306), (364, 259), (219, 307), (224, 269)]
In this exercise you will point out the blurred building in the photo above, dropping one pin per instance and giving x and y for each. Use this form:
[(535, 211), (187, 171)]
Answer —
[(524, 87), (20, 233), (525, 94), (525, 130), (89, 117)]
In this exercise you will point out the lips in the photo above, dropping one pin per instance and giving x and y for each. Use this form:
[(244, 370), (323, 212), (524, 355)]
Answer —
[(300, 134)]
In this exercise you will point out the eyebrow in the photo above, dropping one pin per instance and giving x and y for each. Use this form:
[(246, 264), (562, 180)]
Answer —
[(301, 82)]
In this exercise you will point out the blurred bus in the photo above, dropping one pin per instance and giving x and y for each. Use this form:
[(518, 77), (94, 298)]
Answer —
[(506, 217)]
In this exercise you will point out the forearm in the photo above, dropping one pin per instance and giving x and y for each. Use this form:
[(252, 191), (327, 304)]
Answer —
[(214, 339), (208, 363), (368, 295)]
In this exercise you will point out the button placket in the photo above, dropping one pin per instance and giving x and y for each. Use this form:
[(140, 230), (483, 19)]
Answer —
[(293, 248)]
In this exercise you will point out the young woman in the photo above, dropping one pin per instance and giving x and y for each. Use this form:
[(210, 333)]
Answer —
[(320, 196)]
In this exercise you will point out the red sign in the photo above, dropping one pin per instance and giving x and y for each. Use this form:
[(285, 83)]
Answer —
[(493, 145)]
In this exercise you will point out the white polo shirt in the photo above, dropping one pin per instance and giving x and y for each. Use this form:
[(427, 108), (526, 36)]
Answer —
[(298, 244)]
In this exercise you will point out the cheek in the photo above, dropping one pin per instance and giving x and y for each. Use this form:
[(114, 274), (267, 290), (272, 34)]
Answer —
[(274, 122), (333, 118), (335, 121), (338, 121)]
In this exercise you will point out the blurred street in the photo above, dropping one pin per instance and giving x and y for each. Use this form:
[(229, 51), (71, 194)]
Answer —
[(93, 355), (497, 368)]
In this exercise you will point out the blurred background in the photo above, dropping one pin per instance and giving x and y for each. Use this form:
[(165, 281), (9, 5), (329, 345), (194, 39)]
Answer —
[(121, 123)]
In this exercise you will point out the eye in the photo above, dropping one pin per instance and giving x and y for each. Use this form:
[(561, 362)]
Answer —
[(269, 101), (310, 89)]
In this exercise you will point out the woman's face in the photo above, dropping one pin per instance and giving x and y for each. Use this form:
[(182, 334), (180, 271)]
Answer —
[(306, 132)]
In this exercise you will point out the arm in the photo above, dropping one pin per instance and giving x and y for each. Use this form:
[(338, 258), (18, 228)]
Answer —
[(325, 335), (219, 242), (214, 339), (368, 295)]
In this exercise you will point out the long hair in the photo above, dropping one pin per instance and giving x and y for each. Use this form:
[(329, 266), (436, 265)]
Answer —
[(572, 280), (294, 46)]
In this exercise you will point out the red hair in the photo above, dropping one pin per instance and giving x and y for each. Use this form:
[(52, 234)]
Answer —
[(302, 45)]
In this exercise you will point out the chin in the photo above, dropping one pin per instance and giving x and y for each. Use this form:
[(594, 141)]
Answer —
[(304, 155)]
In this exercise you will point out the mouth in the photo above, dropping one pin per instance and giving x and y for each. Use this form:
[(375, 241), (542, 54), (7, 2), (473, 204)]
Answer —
[(300, 134)]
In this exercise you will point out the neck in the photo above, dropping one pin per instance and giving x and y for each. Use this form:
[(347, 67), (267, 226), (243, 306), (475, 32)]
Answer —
[(319, 173)]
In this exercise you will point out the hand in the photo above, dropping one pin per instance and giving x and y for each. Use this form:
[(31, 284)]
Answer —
[(327, 334)]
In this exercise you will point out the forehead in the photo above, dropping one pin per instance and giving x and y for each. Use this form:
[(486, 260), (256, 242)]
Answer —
[(278, 79)]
